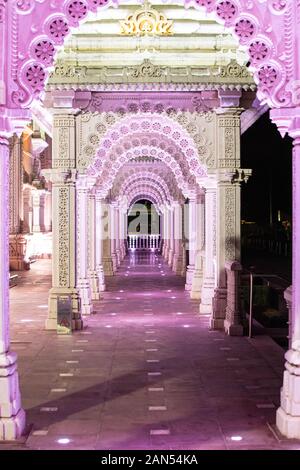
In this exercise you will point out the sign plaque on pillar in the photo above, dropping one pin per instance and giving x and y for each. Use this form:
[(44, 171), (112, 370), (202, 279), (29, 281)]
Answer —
[(64, 315)]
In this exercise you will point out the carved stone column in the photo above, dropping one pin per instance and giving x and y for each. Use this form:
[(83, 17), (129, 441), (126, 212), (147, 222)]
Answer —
[(92, 265), (288, 297), (113, 244), (99, 240), (12, 416), (38, 208), (122, 215), (83, 283), (15, 184), (288, 415), (171, 236), (191, 241), (234, 320), (17, 241), (228, 205), (27, 209), (177, 259), (117, 232), (200, 244), (48, 211), (208, 285), (64, 247), (228, 242), (106, 245), (165, 232), (63, 177)]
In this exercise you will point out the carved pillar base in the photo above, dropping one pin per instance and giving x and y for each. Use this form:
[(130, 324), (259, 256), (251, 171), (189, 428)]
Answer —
[(85, 296), (108, 266), (177, 263), (118, 256), (122, 250), (288, 415), (17, 252), (54, 294), (219, 302), (114, 262), (189, 276), (170, 257), (101, 279), (183, 270), (12, 420), (195, 292), (234, 321), (207, 294), (94, 285), (197, 280), (233, 330)]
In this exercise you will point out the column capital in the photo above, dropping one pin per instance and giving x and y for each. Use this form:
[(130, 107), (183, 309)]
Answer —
[(85, 183), (201, 197), (227, 111), (175, 204), (287, 121), (229, 98), (210, 184), (100, 196), (69, 101), (57, 176), (13, 121), (114, 204), (233, 176)]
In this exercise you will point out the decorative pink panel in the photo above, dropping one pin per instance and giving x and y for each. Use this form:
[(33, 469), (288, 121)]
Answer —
[(37, 27)]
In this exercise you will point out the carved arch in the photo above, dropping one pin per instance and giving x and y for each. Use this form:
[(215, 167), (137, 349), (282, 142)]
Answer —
[(149, 130), (107, 180), (267, 28), (152, 179), (149, 196), (168, 185), (143, 182)]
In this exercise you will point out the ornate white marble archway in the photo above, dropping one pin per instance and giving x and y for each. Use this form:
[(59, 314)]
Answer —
[(270, 31)]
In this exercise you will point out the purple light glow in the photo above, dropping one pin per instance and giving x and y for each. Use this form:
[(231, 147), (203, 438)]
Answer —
[(64, 441)]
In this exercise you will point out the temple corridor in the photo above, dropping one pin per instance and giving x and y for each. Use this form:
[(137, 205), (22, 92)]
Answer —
[(145, 372)]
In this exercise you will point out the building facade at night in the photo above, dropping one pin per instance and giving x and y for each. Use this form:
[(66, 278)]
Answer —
[(120, 142)]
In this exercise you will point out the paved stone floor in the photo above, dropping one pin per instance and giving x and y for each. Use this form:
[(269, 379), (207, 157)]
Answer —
[(145, 373)]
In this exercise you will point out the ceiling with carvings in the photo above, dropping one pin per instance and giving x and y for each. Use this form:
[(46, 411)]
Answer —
[(193, 39)]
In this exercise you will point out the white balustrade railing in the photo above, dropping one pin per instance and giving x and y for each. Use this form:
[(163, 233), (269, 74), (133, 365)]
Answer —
[(144, 242)]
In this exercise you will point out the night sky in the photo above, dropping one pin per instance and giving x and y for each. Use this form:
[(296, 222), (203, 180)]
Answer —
[(270, 157)]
